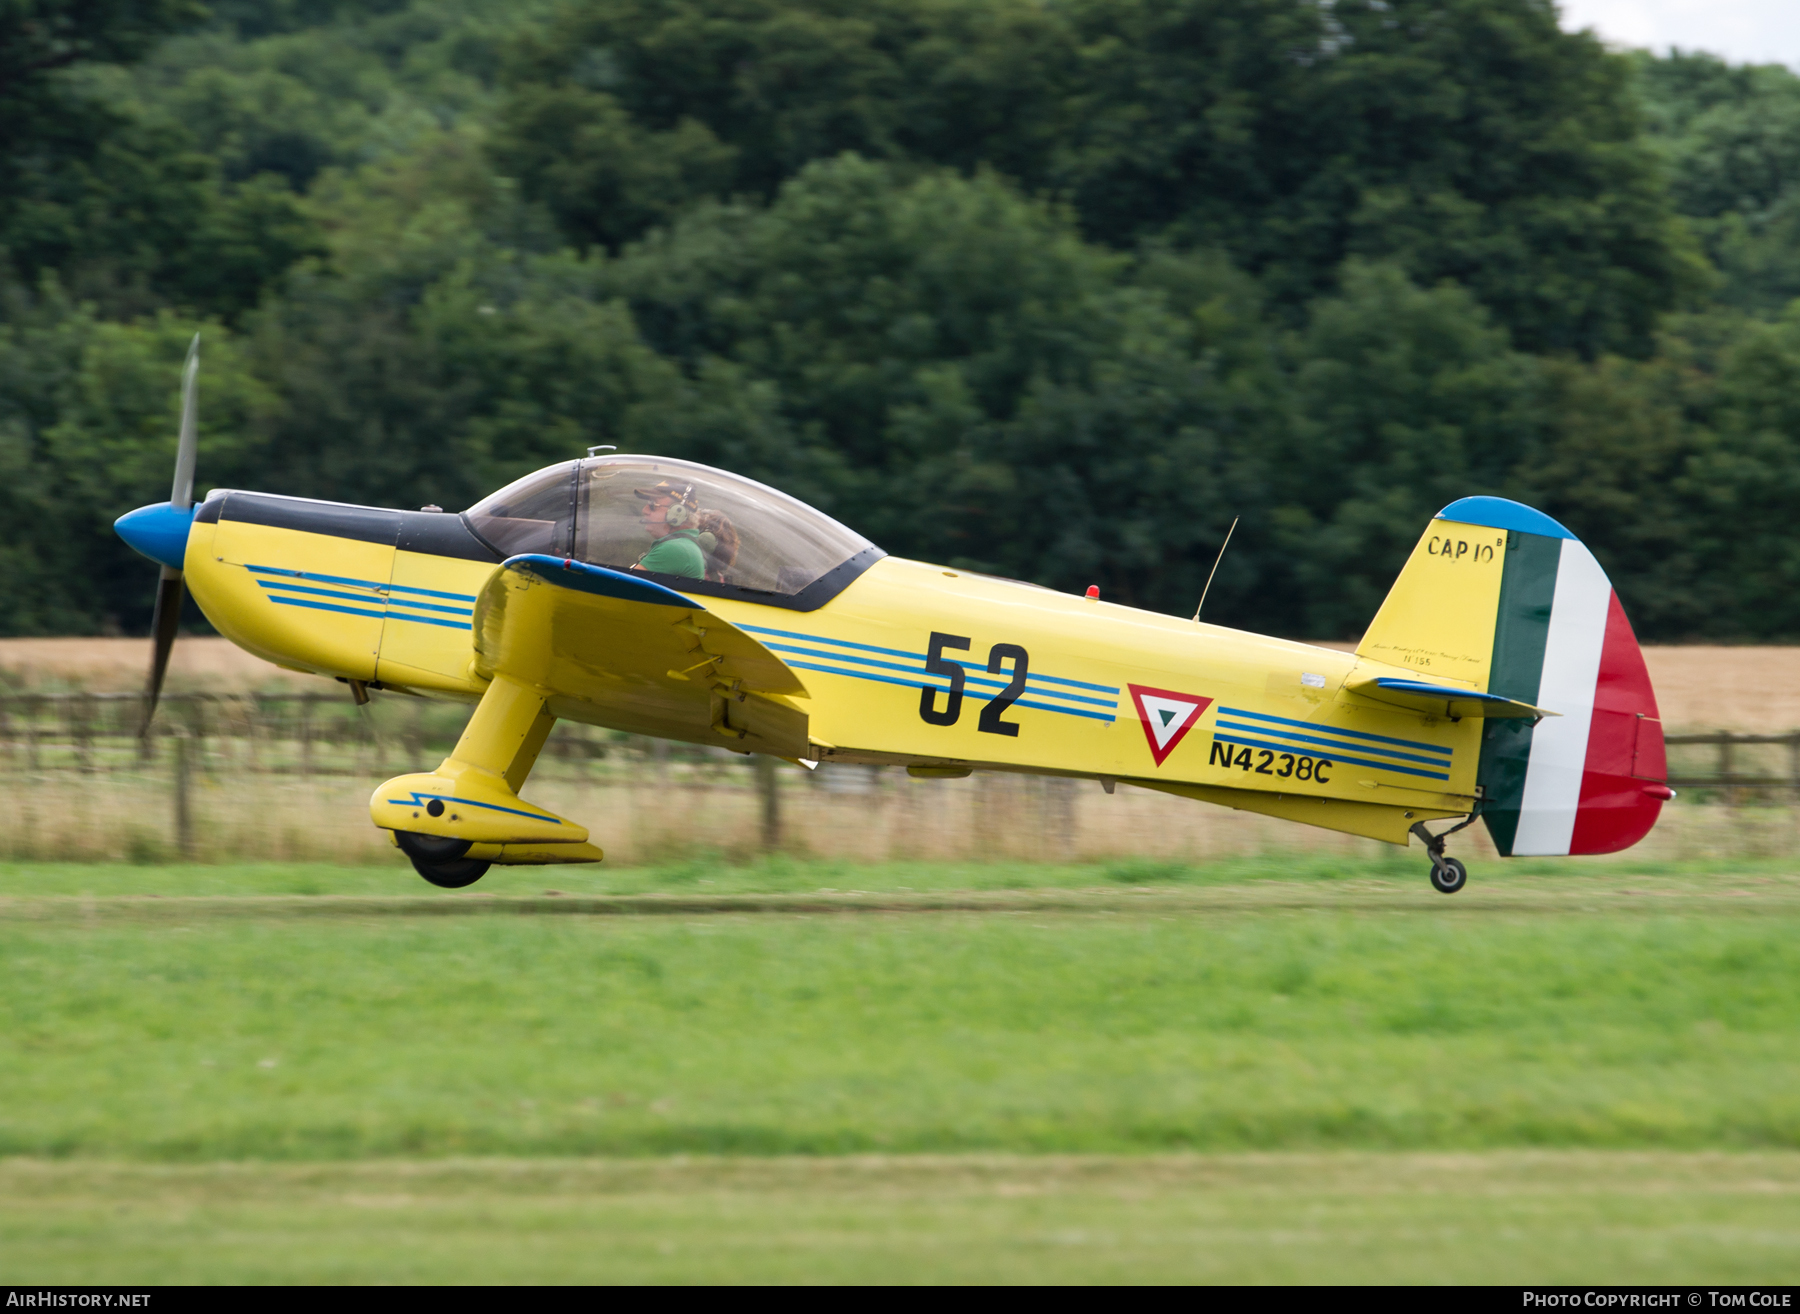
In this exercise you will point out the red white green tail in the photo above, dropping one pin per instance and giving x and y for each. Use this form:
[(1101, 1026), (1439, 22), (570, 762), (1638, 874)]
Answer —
[(1590, 779)]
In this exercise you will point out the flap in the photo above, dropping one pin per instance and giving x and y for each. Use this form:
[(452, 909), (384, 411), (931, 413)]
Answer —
[(1444, 700), (650, 659)]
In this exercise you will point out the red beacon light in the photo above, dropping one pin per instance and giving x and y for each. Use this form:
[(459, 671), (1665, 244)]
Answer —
[(1093, 593)]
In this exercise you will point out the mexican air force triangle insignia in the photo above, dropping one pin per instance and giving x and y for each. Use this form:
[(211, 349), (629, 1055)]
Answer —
[(1167, 717)]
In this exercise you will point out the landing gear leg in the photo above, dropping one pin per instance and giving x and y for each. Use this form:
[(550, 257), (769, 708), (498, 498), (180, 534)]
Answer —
[(1447, 874), (472, 798)]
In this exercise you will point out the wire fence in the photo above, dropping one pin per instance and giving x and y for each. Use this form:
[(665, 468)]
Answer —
[(1741, 763), (292, 734), (85, 782), (286, 775), (324, 734)]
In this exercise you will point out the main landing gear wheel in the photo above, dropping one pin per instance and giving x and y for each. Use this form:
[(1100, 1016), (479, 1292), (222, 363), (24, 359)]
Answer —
[(440, 860), (1448, 876)]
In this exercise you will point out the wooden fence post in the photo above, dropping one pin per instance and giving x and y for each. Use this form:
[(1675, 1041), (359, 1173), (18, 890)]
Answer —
[(1059, 817), (306, 734), (146, 742), (768, 787), (252, 709), (184, 783)]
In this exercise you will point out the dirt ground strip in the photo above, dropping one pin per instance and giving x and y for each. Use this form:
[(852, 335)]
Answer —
[(1613, 893), (1508, 1216)]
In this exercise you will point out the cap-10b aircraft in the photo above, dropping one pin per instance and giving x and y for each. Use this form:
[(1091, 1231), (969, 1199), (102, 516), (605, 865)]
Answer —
[(1500, 680)]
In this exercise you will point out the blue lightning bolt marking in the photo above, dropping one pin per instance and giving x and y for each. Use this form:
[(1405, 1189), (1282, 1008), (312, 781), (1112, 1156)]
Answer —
[(418, 800)]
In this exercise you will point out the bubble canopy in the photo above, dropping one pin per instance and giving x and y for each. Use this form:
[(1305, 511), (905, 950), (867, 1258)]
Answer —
[(694, 528)]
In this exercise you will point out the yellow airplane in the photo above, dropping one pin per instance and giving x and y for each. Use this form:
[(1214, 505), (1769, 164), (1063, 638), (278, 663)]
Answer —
[(1500, 680)]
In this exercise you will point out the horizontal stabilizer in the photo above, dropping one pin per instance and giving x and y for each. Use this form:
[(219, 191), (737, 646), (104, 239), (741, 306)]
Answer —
[(1445, 700)]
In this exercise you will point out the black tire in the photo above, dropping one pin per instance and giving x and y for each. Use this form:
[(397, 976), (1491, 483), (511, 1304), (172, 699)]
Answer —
[(452, 875), (439, 859), (430, 848), (1449, 877)]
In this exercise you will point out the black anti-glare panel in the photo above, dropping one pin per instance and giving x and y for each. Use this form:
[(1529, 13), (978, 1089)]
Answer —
[(432, 532)]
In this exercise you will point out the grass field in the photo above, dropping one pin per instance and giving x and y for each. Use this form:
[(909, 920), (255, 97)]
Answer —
[(1264, 1069)]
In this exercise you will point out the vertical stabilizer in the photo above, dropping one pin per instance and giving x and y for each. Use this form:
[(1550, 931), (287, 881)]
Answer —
[(1438, 619), (1504, 598)]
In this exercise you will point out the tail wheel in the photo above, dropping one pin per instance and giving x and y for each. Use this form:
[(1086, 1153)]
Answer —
[(440, 860), (1448, 876)]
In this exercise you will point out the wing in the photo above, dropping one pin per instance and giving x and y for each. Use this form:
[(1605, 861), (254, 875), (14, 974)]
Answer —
[(612, 648)]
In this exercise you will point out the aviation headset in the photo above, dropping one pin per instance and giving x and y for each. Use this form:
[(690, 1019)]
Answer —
[(681, 510)]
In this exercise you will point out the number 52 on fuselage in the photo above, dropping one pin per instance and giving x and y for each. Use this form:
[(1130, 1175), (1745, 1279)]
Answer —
[(1500, 678)]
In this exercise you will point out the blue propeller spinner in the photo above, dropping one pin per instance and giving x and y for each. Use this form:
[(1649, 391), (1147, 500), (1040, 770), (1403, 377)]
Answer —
[(159, 531)]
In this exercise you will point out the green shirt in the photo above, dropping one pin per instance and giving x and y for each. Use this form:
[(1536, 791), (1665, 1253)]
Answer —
[(677, 553)]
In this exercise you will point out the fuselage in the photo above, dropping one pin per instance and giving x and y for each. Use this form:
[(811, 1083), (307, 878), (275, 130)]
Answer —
[(931, 667)]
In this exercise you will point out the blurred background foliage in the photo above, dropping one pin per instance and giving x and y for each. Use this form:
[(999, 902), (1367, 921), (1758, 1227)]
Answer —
[(1053, 290)]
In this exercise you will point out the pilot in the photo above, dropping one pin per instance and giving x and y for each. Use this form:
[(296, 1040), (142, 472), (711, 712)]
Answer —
[(679, 546)]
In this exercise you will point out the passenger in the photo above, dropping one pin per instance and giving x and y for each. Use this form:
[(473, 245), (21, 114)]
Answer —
[(670, 516), (723, 555)]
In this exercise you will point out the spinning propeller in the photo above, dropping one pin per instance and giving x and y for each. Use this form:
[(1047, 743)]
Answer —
[(160, 532)]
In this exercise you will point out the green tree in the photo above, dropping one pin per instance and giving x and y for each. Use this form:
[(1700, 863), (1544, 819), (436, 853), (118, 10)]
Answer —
[(123, 208), (1615, 464), (1053, 291), (39, 37), (443, 347), (1745, 489), (1732, 138), (1465, 139), (1407, 398), (966, 379), (88, 417), (658, 101)]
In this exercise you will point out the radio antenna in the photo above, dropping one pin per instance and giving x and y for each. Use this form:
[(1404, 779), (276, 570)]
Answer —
[(1215, 569)]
